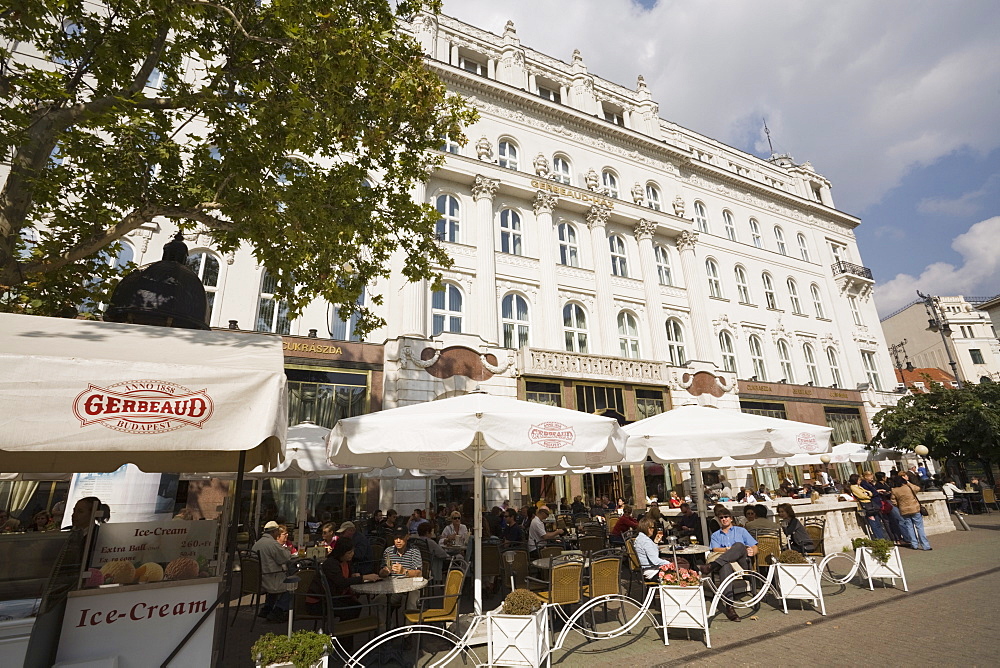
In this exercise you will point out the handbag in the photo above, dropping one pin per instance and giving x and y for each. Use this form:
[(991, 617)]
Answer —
[(924, 511)]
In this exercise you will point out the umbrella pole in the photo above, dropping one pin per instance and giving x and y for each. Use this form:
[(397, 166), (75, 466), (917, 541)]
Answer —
[(477, 497), (303, 491), (696, 485)]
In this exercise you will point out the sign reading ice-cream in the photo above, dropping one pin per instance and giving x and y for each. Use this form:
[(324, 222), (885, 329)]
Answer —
[(177, 546)]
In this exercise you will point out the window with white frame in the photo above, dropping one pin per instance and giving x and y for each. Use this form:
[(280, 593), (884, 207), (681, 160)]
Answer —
[(742, 287), (575, 328), (779, 238), (628, 335), (652, 196), (793, 295), (758, 241), (342, 329), (817, 298), (839, 252), (757, 357), (785, 361), (507, 154), (510, 232), (700, 217), (976, 354), (569, 251), (448, 224), (811, 369), (728, 351), (855, 309), (446, 309), (769, 298), (714, 284), (514, 317), (803, 246), (156, 79), (614, 116), (474, 66), (610, 182), (551, 94), (206, 265), (729, 224), (619, 262), (663, 265), (834, 363), (871, 370), (562, 170), (449, 145), (272, 314), (675, 343)]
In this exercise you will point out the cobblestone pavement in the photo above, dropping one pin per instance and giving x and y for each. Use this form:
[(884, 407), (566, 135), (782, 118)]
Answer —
[(949, 617)]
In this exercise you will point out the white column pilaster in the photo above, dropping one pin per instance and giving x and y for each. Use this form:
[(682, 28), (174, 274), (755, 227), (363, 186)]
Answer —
[(606, 316), (415, 294), (644, 230), (694, 280), (485, 298), (549, 307)]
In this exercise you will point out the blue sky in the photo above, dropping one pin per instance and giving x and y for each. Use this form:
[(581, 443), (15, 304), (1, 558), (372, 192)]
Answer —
[(897, 102)]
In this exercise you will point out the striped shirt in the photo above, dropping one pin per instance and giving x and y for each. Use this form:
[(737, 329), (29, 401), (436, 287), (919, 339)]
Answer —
[(410, 559)]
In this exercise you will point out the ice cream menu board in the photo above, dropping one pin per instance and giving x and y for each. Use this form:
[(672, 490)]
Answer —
[(140, 552)]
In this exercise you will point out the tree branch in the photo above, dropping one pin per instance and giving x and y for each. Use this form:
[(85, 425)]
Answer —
[(152, 58), (239, 24)]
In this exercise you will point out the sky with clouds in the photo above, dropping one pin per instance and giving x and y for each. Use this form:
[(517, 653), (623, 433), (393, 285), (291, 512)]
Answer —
[(897, 102)]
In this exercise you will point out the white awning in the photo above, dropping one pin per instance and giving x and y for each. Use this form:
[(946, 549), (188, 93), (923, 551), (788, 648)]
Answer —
[(78, 395)]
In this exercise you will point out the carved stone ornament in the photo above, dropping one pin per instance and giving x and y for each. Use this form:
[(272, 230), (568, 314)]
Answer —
[(641, 83), (541, 165), (592, 180), (417, 362), (598, 216), (638, 194), (544, 202), (496, 368), (644, 229), (485, 187), (679, 206), (577, 56), (509, 29), (686, 240), (484, 149)]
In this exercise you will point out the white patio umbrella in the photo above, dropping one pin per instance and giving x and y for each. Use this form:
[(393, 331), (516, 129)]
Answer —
[(843, 453), (702, 433), (477, 430)]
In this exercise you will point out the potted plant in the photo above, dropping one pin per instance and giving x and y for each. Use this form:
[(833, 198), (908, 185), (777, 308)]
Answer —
[(798, 578), (517, 633), (880, 559), (303, 649), (682, 601)]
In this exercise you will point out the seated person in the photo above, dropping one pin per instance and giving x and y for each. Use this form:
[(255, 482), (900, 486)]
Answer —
[(455, 533), (756, 518), (798, 538), (537, 532), (674, 501), (646, 549), (625, 523), (402, 560), (436, 553), (274, 560), (687, 524), (730, 545), (511, 532), (952, 493), (337, 571)]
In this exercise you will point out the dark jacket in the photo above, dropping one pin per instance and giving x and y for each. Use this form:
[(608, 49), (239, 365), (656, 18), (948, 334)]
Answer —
[(798, 537)]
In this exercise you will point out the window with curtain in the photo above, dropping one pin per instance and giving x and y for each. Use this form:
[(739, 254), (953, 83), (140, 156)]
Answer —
[(449, 224), (206, 265), (272, 314), (507, 154), (561, 170), (871, 369), (803, 246), (628, 335), (610, 183), (675, 343), (575, 328), (793, 295), (510, 232), (514, 316), (663, 265), (653, 196), (785, 361)]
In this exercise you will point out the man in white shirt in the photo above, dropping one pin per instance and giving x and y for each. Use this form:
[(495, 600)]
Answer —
[(455, 533), (953, 493), (537, 532)]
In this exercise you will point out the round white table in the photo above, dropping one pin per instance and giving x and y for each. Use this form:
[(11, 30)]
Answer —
[(390, 585), (690, 549)]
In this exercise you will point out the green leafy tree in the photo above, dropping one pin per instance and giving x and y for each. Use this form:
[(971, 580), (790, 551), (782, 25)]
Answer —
[(297, 127), (962, 423)]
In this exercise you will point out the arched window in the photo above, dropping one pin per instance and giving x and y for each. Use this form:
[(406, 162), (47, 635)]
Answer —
[(272, 314), (510, 232), (785, 360), (628, 335), (206, 265), (779, 238), (619, 262), (675, 343), (803, 246), (561, 170), (575, 328), (758, 241), (569, 252), (507, 154), (447, 227), (730, 225), (700, 217), (714, 284), (514, 314), (663, 266), (834, 363), (449, 145), (769, 297), (652, 196), (742, 287), (610, 182), (817, 301), (728, 351), (342, 329), (793, 295), (811, 369), (757, 357), (446, 309)]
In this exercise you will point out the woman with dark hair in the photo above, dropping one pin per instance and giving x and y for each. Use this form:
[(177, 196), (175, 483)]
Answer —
[(88, 512), (337, 571), (890, 513), (869, 505), (798, 538)]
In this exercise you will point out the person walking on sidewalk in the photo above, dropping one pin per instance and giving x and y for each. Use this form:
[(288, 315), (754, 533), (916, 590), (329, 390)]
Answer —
[(904, 493)]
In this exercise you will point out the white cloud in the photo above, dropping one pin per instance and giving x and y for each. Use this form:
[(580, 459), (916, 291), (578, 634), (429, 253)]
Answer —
[(865, 90), (978, 275)]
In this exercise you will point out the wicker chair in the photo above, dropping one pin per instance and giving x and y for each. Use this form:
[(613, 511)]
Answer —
[(635, 568), (299, 605), (251, 582), (445, 605), (549, 551), (591, 544), (990, 497), (768, 544), (565, 585), (603, 578), (491, 565), (516, 569)]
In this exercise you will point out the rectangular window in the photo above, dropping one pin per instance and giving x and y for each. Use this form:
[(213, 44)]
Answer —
[(549, 394), (648, 403), (549, 94), (323, 396), (592, 398), (765, 408), (474, 67), (614, 117), (846, 424), (977, 356), (868, 359)]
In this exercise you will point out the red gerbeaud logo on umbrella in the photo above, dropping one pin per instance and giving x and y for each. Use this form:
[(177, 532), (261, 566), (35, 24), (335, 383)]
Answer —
[(143, 407), (551, 435), (807, 442)]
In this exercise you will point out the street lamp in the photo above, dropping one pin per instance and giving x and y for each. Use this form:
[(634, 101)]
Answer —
[(922, 451), (936, 322), (895, 349)]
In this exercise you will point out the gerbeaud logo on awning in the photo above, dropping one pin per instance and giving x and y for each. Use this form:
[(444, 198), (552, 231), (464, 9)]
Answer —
[(143, 407), (551, 435)]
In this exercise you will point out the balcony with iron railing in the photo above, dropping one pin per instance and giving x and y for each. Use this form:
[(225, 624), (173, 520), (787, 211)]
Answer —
[(842, 267)]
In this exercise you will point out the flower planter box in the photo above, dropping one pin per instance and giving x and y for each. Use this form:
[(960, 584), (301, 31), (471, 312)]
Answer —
[(518, 640), (892, 568), (800, 582), (322, 663), (683, 608)]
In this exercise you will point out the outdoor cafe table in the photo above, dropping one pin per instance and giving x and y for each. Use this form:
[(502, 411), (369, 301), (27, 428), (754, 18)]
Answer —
[(545, 563), (688, 551), (388, 586)]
